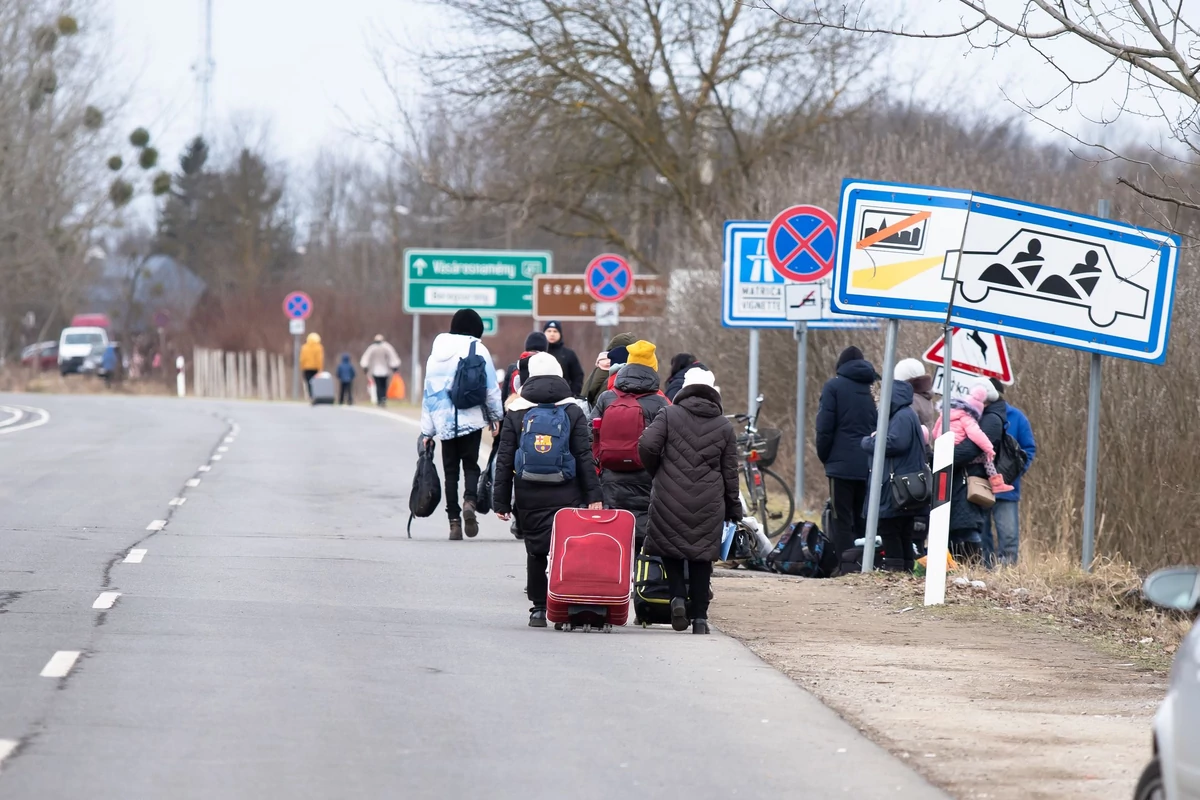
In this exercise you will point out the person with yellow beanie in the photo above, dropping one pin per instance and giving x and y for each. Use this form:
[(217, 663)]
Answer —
[(618, 419), (312, 359)]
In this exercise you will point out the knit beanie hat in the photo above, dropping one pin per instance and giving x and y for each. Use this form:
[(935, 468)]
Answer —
[(467, 322), (998, 386), (552, 324), (908, 369), (699, 377), (851, 353), (618, 356), (536, 342), (977, 397), (642, 352), (542, 364)]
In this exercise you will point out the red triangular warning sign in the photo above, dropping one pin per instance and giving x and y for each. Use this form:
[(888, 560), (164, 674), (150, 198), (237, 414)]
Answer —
[(976, 352)]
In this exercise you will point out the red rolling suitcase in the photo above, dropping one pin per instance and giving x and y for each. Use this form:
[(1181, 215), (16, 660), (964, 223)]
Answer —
[(591, 561)]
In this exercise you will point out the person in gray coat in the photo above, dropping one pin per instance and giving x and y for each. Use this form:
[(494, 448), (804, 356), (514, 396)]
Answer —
[(913, 372), (691, 451), (905, 452)]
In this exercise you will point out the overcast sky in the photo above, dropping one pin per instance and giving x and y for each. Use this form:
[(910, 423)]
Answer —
[(303, 65)]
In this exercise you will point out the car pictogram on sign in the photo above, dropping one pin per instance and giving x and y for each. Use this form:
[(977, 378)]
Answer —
[(1047, 266)]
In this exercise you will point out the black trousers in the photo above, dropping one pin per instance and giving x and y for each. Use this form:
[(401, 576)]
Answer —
[(463, 451), (381, 386), (536, 580), (346, 394), (848, 521), (897, 536), (309, 374), (699, 576)]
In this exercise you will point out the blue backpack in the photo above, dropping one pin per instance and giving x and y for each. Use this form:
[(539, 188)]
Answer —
[(545, 452), (470, 385)]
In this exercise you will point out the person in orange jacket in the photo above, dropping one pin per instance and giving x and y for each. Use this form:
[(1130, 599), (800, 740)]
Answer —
[(312, 359)]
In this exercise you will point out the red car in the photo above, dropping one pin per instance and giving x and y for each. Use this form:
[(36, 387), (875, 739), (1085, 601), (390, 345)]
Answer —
[(43, 355)]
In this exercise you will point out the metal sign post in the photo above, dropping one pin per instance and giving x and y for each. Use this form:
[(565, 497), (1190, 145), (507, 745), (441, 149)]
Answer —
[(801, 403), (1091, 462), (296, 367), (752, 379), (418, 388), (875, 488)]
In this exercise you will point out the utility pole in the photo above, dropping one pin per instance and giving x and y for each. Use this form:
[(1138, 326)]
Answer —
[(206, 66)]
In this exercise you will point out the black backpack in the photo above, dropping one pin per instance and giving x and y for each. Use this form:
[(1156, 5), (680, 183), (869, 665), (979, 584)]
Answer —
[(469, 388), (427, 486), (805, 551), (1010, 458)]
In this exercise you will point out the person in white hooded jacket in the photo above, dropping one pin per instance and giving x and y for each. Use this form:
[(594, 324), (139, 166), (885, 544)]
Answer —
[(459, 430)]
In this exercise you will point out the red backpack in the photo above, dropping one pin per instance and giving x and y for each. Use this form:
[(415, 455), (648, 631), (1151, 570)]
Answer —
[(621, 427)]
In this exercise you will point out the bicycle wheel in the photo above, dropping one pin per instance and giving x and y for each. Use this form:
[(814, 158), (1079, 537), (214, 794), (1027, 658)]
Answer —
[(778, 506)]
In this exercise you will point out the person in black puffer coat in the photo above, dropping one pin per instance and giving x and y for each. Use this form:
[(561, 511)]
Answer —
[(680, 364), (630, 489), (905, 451), (537, 503), (572, 369), (966, 518), (691, 451), (846, 414)]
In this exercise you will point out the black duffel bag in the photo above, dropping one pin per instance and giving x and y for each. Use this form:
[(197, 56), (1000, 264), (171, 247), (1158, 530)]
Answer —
[(426, 493)]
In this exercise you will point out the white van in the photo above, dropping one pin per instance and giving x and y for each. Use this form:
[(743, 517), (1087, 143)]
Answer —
[(77, 345)]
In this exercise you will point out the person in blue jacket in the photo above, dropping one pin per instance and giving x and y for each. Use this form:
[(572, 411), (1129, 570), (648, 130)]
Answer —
[(846, 414), (1005, 516), (345, 376)]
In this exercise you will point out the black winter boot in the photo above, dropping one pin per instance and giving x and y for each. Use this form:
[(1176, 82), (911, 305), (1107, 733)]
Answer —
[(679, 617), (456, 530), (699, 626), (537, 618)]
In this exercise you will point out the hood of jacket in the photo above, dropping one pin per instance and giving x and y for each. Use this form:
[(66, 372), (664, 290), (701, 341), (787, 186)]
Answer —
[(543, 389), (923, 385), (999, 408), (621, 340), (902, 395), (701, 400), (859, 370), (450, 346), (345, 358), (637, 379)]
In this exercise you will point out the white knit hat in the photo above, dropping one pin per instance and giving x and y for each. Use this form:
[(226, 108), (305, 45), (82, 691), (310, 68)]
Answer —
[(544, 364), (908, 369), (697, 376)]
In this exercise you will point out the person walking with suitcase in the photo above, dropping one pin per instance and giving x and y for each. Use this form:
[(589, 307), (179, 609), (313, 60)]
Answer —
[(312, 360), (691, 451), (545, 458), (619, 418), (462, 397), (345, 376), (379, 361)]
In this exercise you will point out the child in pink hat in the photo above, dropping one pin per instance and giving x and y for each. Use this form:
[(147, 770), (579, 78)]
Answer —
[(964, 422)]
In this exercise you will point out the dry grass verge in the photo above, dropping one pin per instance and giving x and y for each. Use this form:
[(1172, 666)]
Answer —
[(50, 382)]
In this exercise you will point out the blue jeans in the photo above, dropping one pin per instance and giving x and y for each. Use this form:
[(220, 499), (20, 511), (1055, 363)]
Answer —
[(1006, 518)]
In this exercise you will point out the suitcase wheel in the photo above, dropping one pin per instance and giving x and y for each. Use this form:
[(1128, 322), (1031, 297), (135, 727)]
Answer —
[(558, 626)]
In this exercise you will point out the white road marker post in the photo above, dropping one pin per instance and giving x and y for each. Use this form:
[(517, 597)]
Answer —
[(752, 378), (939, 520), (801, 411), (180, 378), (875, 487)]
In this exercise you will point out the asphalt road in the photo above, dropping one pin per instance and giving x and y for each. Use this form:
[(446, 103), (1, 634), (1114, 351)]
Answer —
[(279, 637)]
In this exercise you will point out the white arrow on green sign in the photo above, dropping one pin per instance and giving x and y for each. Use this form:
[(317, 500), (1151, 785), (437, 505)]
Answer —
[(493, 282)]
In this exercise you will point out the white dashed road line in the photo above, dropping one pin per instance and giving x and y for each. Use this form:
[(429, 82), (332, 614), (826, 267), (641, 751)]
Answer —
[(177, 501), (60, 664), (215, 458), (222, 449), (7, 746), (192, 483), (135, 556), (228, 440), (156, 525), (106, 600), (205, 468)]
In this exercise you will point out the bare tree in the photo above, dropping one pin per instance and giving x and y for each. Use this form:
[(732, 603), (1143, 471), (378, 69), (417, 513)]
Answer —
[(599, 119), (1152, 46)]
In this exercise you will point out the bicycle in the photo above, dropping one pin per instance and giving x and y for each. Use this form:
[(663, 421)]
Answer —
[(758, 449)]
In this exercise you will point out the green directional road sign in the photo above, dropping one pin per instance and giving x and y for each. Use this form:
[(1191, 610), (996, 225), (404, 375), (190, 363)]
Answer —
[(490, 324), (492, 282)]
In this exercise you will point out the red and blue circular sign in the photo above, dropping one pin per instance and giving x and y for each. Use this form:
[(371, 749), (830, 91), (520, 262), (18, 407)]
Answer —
[(608, 278), (802, 243), (297, 305)]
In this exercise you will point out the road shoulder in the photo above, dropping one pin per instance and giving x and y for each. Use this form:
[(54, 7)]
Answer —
[(983, 702)]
